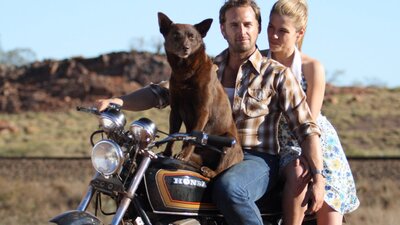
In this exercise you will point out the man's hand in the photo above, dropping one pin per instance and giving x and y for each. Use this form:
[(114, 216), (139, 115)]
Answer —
[(305, 177), (102, 104), (315, 194)]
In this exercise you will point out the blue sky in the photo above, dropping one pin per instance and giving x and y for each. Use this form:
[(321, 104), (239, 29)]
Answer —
[(359, 38)]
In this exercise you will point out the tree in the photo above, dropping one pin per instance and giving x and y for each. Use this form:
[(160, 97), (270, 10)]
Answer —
[(17, 57)]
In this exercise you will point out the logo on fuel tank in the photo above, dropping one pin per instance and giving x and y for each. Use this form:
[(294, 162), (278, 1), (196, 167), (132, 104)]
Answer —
[(188, 181)]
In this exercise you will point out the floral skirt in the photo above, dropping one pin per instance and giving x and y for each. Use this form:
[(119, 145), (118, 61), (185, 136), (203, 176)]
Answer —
[(340, 190)]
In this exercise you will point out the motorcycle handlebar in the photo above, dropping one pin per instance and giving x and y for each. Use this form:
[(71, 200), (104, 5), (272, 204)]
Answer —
[(92, 110), (213, 140), (95, 111)]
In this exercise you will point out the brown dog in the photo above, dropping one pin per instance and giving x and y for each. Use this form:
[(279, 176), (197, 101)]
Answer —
[(197, 97)]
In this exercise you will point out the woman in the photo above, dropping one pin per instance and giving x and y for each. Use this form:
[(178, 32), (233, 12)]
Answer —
[(286, 29)]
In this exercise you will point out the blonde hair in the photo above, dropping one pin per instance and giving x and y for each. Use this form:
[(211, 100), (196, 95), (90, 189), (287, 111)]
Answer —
[(297, 10)]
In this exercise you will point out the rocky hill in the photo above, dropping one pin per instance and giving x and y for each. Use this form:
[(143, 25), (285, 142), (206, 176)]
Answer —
[(52, 85)]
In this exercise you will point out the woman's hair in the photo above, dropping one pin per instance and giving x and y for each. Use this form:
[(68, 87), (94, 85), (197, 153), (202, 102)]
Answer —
[(240, 3), (297, 10)]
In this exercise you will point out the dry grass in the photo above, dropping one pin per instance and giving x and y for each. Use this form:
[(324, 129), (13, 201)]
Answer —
[(380, 204), (59, 134), (367, 123), (34, 203), (33, 191)]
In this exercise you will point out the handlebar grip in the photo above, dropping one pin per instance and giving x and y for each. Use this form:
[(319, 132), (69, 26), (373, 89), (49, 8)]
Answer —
[(114, 106), (92, 110), (220, 141), (214, 140)]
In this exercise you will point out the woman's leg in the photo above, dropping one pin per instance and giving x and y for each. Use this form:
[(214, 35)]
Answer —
[(294, 192), (328, 216)]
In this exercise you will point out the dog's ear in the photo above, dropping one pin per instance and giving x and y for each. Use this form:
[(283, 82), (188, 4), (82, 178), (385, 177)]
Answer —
[(164, 22), (203, 27)]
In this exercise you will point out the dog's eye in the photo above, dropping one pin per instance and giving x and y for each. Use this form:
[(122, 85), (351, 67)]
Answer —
[(190, 36), (177, 36)]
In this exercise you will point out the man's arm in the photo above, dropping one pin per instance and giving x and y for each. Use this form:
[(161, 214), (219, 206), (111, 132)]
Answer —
[(142, 99), (154, 95), (311, 150), (299, 118)]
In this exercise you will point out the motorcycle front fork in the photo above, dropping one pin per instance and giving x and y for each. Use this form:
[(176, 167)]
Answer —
[(126, 200), (83, 205)]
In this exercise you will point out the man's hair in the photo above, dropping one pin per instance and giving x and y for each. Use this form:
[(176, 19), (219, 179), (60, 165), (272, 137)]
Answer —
[(240, 3)]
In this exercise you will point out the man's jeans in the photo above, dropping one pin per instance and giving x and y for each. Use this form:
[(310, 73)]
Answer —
[(237, 189)]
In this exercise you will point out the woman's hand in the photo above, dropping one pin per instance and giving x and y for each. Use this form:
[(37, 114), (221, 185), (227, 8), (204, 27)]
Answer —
[(102, 104)]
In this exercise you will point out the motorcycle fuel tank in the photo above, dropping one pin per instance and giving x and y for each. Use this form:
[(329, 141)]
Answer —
[(175, 186)]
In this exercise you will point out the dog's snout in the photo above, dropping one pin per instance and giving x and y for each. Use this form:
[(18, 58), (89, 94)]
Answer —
[(186, 43)]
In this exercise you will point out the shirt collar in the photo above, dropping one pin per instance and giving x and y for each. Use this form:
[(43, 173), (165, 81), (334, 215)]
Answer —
[(255, 59), (296, 64)]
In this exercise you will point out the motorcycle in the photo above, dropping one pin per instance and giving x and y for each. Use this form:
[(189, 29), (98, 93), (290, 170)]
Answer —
[(148, 187)]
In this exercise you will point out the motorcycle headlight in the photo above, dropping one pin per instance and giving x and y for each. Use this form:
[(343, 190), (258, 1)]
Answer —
[(111, 120), (107, 157), (143, 132)]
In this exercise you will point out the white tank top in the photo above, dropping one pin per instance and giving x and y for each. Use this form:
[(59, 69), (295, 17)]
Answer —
[(230, 92)]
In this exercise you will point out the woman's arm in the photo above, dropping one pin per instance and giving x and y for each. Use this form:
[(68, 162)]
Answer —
[(314, 74)]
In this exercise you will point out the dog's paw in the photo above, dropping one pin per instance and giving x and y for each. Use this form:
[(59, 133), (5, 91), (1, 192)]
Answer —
[(181, 156), (207, 172)]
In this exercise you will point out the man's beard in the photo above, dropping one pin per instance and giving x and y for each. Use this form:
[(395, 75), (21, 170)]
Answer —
[(242, 47)]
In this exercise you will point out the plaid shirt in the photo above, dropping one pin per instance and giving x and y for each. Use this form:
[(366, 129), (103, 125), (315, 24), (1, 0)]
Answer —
[(264, 91)]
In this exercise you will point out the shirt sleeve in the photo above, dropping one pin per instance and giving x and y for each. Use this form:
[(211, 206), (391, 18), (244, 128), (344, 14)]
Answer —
[(295, 108), (161, 90)]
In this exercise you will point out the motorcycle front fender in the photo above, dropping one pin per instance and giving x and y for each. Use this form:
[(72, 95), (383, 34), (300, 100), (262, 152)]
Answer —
[(75, 217)]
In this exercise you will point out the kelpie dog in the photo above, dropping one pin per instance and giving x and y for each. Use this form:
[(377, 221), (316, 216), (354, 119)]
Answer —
[(197, 97)]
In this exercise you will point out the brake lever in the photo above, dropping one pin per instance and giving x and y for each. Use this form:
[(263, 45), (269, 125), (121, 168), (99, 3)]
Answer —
[(175, 137)]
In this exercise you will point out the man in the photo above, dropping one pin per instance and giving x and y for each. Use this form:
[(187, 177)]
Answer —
[(261, 90)]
